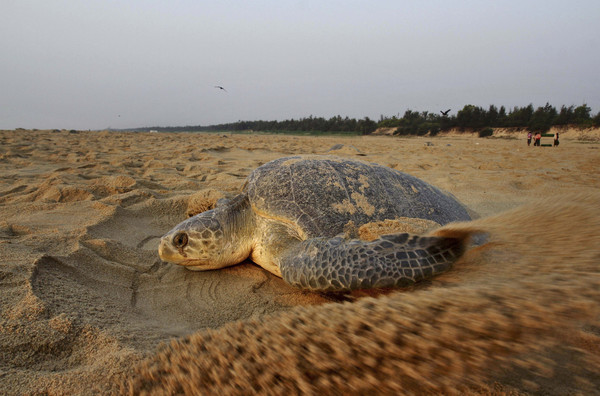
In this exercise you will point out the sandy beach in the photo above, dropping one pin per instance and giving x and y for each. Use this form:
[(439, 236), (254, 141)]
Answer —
[(88, 307)]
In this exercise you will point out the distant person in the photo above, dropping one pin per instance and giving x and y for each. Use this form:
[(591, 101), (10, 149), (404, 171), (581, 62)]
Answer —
[(538, 139), (556, 142), (529, 139)]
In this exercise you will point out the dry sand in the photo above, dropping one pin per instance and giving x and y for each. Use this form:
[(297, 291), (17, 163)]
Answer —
[(85, 302)]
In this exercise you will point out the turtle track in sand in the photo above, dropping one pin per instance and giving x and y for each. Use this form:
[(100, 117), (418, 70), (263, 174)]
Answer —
[(114, 281)]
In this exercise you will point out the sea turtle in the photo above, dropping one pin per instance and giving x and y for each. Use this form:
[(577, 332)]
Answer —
[(291, 216)]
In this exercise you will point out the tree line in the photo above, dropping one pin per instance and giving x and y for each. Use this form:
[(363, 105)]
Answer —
[(476, 118), (317, 125), (469, 118)]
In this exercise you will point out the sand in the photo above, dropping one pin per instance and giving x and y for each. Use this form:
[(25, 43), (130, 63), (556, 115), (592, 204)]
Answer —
[(87, 306)]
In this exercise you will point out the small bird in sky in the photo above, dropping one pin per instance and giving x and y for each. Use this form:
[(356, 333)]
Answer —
[(445, 112), (220, 87)]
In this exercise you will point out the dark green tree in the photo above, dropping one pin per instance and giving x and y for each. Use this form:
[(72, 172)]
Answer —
[(519, 117), (582, 116), (542, 119), (473, 117), (491, 118), (565, 116), (596, 120), (501, 117)]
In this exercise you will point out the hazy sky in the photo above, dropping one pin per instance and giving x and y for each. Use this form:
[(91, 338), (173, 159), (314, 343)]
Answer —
[(93, 64)]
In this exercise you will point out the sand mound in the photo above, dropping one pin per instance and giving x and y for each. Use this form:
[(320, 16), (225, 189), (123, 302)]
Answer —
[(371, 231), (344, 150), (202, 201)]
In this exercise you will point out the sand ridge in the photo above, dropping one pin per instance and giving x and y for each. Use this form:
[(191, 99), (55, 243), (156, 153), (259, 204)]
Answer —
[(84, 298)]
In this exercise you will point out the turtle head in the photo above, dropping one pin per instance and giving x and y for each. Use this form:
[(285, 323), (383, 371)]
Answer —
[(209, 240)]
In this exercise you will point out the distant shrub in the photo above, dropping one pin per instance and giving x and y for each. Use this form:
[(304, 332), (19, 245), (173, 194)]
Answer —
[(485, 132), (401, 131)]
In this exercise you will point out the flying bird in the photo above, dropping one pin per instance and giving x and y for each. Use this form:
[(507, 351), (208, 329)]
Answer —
[(220, 87), (445, 112)]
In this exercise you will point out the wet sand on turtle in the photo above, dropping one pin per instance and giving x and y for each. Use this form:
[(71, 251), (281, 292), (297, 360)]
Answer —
[(86, 304)]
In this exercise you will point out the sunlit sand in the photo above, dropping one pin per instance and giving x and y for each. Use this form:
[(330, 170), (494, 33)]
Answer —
[(85, 301)]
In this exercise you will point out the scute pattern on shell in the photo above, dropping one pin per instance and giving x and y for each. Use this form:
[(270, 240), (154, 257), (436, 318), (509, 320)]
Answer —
[(323, 193)]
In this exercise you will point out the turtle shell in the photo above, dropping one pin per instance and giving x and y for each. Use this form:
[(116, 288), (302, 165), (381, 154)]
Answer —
[(321, 194)]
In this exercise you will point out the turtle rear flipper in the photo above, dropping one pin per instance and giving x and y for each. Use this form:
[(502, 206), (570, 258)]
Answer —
[(394, 260)]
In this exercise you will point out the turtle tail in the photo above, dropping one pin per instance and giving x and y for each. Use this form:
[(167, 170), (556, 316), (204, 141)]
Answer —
[(395, 260)]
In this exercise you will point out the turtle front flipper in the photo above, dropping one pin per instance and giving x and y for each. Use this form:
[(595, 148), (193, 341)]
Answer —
[(394, 260)]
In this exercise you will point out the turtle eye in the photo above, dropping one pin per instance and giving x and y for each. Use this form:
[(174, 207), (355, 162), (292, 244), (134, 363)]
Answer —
[(180, 240)]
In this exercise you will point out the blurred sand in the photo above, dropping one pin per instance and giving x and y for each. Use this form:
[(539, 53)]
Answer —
[(84, 298)]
